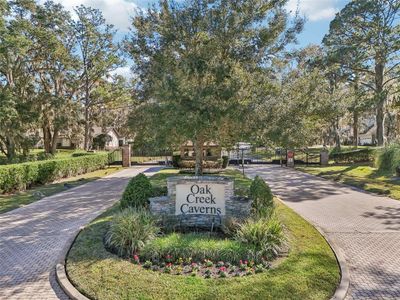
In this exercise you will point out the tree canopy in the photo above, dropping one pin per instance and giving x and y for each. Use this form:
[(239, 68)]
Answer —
[(200, 64)]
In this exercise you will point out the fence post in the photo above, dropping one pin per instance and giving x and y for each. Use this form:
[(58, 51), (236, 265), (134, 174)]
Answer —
[(126, 156), (324, 157)]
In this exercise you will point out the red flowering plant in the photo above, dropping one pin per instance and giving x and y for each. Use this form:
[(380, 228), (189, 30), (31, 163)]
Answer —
[(136, 259), (168, 268), (221, 270), (168, 258)]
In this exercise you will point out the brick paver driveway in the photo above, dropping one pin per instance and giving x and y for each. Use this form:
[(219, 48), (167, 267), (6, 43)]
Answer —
[(364, 226), (32, 237)]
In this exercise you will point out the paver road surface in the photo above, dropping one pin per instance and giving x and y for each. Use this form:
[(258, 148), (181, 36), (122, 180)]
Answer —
[(366, 227), (32, 237)]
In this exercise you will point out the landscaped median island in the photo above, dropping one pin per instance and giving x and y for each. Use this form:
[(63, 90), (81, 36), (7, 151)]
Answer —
[(271, 253), (24, 183)]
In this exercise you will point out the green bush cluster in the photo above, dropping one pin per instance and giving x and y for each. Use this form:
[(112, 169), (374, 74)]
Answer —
[(78, 154), (353, 156), (256, 238), (176, 159), (263, 199), (266, 235), (209, 164), (130, 230), (225, 161), (18, 177), (263, 231), (137, 192), (388, 159), (26, 158)]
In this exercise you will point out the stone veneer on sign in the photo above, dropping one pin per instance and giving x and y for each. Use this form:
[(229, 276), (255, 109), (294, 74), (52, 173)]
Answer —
[(165, 207)]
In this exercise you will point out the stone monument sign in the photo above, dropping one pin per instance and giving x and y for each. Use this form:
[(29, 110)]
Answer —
[(202, 201)]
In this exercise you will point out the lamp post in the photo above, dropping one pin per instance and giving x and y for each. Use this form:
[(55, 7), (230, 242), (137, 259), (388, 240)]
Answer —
[(242, 148)]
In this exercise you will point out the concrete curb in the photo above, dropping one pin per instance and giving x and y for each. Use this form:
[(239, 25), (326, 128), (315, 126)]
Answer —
[(344, 284), (61, 273), (343, 287), (74, 294)]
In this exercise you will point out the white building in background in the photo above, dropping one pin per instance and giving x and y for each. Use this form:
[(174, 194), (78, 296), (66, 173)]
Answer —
[(65, 141)]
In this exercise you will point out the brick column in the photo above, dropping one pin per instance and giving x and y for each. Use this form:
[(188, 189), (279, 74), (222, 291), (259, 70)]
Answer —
[(126, 156)]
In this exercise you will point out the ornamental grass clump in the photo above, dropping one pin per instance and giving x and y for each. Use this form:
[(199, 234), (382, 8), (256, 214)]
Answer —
[(388, 159), (130, 231), (137, 193), (263, 200), (266, 235)]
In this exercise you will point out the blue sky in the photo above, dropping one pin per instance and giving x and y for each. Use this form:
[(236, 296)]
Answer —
[(319, 13)]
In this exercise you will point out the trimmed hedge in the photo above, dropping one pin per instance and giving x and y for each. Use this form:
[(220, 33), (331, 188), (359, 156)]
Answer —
[(26, 158), (207, 164), (354, 156), (18, 177)]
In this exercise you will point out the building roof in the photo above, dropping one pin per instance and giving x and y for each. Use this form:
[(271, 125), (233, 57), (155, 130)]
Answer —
[(208, 144)]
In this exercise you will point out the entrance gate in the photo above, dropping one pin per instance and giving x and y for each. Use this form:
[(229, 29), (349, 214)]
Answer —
[(264, 155)]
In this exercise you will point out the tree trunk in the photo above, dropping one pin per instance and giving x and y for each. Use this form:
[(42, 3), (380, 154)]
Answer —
[(87, 128), (379, 123), (337, 134), (46, 138), (53, 149), (397, 133), (198, 148), (10, 148), (355, 128), (381, 99)]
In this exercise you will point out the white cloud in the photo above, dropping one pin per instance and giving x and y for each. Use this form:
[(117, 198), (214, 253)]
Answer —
[(314, 10), (123, 71), (116, 12)]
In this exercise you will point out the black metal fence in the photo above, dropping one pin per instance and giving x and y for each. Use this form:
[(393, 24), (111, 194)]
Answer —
[(265, 155), (141, 157)]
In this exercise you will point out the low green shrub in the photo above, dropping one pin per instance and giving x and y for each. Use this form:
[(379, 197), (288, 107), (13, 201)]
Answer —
[(159, 191), (198, 246), (388, 159), (18, 177), (263, 199), (265, 234), (22, 158), (137, 193), (176, 159), (130, 230), (225, 162), (78, 154), (207, 164), (353, 156)]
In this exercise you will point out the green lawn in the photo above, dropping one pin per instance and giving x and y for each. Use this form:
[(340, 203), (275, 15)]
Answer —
[(310, 270), (13, 201), (363, 176)]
